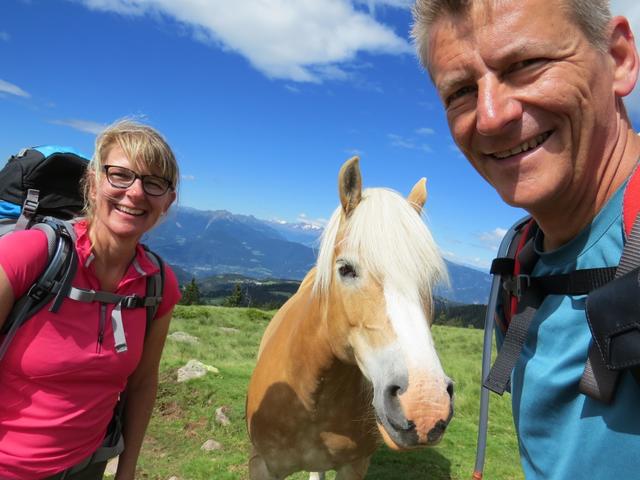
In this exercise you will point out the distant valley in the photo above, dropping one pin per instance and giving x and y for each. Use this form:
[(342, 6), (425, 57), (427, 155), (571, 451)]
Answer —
[(204, 244)]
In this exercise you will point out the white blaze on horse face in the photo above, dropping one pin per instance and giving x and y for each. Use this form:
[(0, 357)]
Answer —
[(411, 395), (427, 400), (411, 327)]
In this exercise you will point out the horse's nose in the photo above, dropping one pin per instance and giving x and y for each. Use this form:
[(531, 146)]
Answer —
[(436, 432), (449, 383), (393, 409)]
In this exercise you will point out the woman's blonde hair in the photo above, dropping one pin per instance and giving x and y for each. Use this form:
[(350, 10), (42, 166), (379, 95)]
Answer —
[(145, 148)]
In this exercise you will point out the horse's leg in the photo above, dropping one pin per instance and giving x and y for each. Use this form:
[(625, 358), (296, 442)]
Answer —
[(316, 476), (258, 468), (353, 471)]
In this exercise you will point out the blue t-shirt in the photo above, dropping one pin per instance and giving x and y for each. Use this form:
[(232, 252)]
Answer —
[(562, 433)]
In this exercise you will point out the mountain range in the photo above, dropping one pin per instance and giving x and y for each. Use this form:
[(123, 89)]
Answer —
[(201, 244)]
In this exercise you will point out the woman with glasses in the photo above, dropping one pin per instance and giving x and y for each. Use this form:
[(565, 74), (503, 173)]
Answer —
[(63, 373)]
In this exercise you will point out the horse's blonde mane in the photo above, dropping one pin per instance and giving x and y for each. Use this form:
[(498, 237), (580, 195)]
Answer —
[(390, 240)]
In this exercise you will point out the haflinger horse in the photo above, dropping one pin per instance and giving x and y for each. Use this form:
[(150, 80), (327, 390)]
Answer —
[(351, 353)]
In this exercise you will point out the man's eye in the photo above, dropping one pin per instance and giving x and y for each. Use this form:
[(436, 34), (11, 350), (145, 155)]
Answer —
[(461, 92), (514, 67)]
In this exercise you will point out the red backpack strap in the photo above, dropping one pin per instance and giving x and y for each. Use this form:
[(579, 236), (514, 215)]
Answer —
[(525, 235), (508, 266), (631, 201)]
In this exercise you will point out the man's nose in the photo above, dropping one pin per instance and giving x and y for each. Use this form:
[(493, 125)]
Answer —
[(497, 107)]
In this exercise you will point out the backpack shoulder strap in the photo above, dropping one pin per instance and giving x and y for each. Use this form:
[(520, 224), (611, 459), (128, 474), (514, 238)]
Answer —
[(631, 200), (598, 381), (155, 285), (51, 284), (508, 267)]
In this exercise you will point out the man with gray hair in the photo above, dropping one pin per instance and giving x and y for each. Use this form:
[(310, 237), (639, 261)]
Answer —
[(533, 95)]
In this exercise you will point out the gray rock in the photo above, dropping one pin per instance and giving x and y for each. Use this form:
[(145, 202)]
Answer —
[(211, 445), (221, 416), (194, 369), (183, 337)]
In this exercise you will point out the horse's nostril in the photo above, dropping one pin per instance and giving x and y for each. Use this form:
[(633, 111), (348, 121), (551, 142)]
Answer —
[(394, 390), (450, 388), (436, 432)]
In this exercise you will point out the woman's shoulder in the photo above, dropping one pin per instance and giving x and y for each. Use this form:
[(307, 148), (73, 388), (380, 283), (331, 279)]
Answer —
[(23, 257), (32, 241)]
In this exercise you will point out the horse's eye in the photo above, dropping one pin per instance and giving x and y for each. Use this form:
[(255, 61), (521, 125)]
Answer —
[(347, 271)]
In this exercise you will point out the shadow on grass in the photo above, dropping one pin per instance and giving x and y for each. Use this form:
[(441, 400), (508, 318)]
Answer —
[(411, 465)]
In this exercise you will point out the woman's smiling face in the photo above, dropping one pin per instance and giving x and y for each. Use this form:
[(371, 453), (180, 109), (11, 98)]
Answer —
[(127, 212)]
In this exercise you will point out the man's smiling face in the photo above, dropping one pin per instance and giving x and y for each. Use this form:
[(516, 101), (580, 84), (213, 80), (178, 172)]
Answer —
[(529, 99)]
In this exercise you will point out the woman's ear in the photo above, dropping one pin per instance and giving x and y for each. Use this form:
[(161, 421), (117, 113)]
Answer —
[(171, 197)]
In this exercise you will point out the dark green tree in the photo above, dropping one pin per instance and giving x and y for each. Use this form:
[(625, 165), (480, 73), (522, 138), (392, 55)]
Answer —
[(236, 298), (190, 293)]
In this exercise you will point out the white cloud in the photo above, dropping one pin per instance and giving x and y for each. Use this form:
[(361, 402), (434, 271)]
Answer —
[(317, 222), (408, 143), (425, 131), (188, 178), (354, 152), (476, 262), (4, 36), (11, 89), (401, 142), (292, 88), (493, 238), (296, 40), (86, 126)]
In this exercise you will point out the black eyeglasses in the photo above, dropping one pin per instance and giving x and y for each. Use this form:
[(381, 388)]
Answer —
[(121, 177)]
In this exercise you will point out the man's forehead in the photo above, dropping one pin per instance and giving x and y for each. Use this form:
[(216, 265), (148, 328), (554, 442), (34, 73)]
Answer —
[(496, 23)]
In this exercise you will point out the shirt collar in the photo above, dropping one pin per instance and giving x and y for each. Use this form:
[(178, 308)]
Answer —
[(141, 263)]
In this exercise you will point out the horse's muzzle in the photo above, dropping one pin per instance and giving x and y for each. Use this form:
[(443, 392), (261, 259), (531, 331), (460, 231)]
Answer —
[(409, 422)]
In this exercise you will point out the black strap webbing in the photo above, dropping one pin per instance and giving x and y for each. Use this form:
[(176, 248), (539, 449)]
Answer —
[(598, 381), (532, 291), (578, 282), (500, 373)]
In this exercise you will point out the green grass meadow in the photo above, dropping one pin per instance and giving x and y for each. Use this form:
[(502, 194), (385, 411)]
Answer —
[(184, 417)]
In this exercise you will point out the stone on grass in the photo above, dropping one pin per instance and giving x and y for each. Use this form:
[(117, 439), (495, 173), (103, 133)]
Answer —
[(194, 369), (183, 337), (221, 416), (211, 445)]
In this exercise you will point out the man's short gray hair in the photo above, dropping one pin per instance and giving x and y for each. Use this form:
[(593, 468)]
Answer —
[(592, 16)]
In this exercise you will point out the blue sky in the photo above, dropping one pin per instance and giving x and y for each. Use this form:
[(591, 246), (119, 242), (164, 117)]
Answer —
[(262, 101)]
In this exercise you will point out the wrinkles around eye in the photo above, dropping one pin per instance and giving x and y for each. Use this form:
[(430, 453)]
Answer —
[(460, 93)]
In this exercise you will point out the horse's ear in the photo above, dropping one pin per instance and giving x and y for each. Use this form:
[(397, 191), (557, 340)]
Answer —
[(418, 195), (350, 185)]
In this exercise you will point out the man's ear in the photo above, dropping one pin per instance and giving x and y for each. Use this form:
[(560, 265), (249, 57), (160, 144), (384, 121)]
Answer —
[(622, 49)]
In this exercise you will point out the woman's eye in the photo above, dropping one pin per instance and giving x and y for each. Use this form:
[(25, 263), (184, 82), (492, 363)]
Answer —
[(347, 271)]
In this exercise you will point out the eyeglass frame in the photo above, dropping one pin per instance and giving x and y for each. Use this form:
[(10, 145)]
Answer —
[(135, 177)]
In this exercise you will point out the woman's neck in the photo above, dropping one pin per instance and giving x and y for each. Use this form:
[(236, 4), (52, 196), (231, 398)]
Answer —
[(112, 255)]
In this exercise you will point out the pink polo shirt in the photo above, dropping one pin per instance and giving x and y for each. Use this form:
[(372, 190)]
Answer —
[(58, 383)]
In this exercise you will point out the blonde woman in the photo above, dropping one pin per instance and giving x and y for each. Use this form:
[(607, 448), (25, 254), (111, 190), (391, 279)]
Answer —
[(63, 373)]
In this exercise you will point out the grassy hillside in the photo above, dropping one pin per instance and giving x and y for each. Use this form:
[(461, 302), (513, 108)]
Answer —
[(184, 418)]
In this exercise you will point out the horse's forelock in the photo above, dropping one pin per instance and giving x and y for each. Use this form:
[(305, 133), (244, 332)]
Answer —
[(390, 240)]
